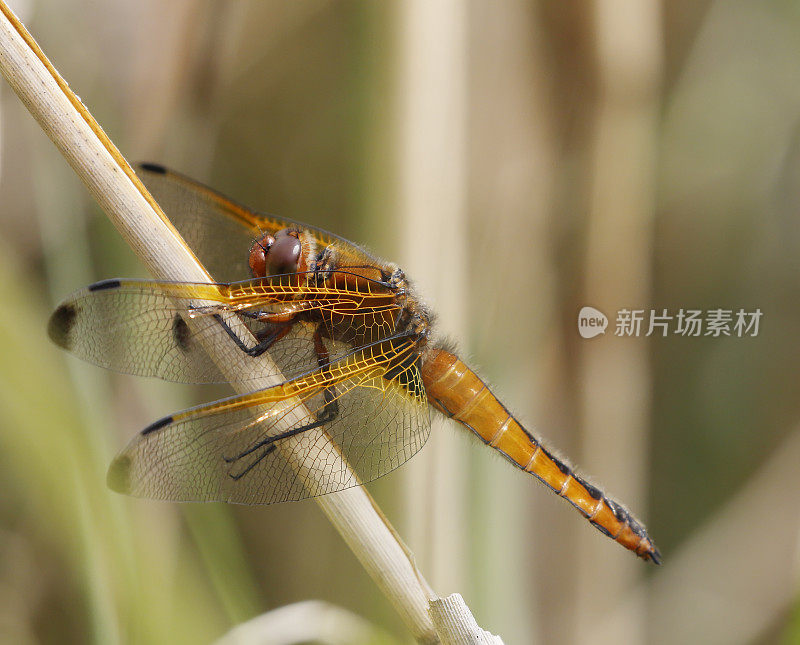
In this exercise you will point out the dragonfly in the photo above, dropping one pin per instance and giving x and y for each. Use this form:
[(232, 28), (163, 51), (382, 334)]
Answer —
[(352, 344)]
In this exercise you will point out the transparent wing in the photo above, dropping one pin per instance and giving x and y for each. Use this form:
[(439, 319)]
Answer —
[(218, 229), (161, 329), (369, 415)]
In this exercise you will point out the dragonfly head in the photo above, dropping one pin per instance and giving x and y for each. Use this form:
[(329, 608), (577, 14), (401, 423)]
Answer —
[(276, 254)]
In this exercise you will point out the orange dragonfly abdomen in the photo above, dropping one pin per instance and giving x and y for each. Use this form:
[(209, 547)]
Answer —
[(454, 389)]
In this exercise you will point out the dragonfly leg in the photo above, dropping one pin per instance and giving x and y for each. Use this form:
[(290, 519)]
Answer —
[(269, 442), (268, 337), (265, 341), (330, 410), (255, 462), (281, 322)]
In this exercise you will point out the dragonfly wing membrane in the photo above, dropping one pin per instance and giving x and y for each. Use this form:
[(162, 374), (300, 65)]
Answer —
[(219, 239), (137, 329), (368, 416), (157, 329), (218, 229)]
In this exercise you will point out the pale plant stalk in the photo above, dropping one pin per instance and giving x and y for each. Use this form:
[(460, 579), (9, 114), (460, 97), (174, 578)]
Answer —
[(615, 376), (431, 177), (510, 202), (455, 624), (138, 218), (307, 621)]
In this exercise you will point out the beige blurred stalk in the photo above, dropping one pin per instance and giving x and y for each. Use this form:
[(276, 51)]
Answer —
[(512, 305), (431, 166), (308, 621), (114, 185), (615, 377)]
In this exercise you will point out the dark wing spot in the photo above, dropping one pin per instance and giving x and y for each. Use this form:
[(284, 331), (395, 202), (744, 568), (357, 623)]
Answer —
[(180, 332), (153, 167), (103, 285), (60, 326)]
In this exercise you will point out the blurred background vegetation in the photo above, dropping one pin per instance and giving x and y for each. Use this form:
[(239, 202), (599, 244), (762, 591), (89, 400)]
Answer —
[(520, 160)]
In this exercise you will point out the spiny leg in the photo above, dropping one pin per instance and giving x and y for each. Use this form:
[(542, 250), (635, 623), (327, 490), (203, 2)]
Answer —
[(328, 413), (271, 440), (268, 337), (265, 338), (238, 476)]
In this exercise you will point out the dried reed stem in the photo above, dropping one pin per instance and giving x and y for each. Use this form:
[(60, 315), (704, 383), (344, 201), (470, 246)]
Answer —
[(615, 400)]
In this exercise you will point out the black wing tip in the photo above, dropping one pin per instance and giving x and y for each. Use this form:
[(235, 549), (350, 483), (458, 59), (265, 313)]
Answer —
[(157, 425), (103, 285), (153, 167), (60, 326)]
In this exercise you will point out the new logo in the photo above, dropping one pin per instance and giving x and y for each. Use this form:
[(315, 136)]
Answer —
[(591, 322)]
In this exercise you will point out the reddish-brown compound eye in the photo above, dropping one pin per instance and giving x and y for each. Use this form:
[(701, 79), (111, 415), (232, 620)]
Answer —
[(284, 254), (258, 255)]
